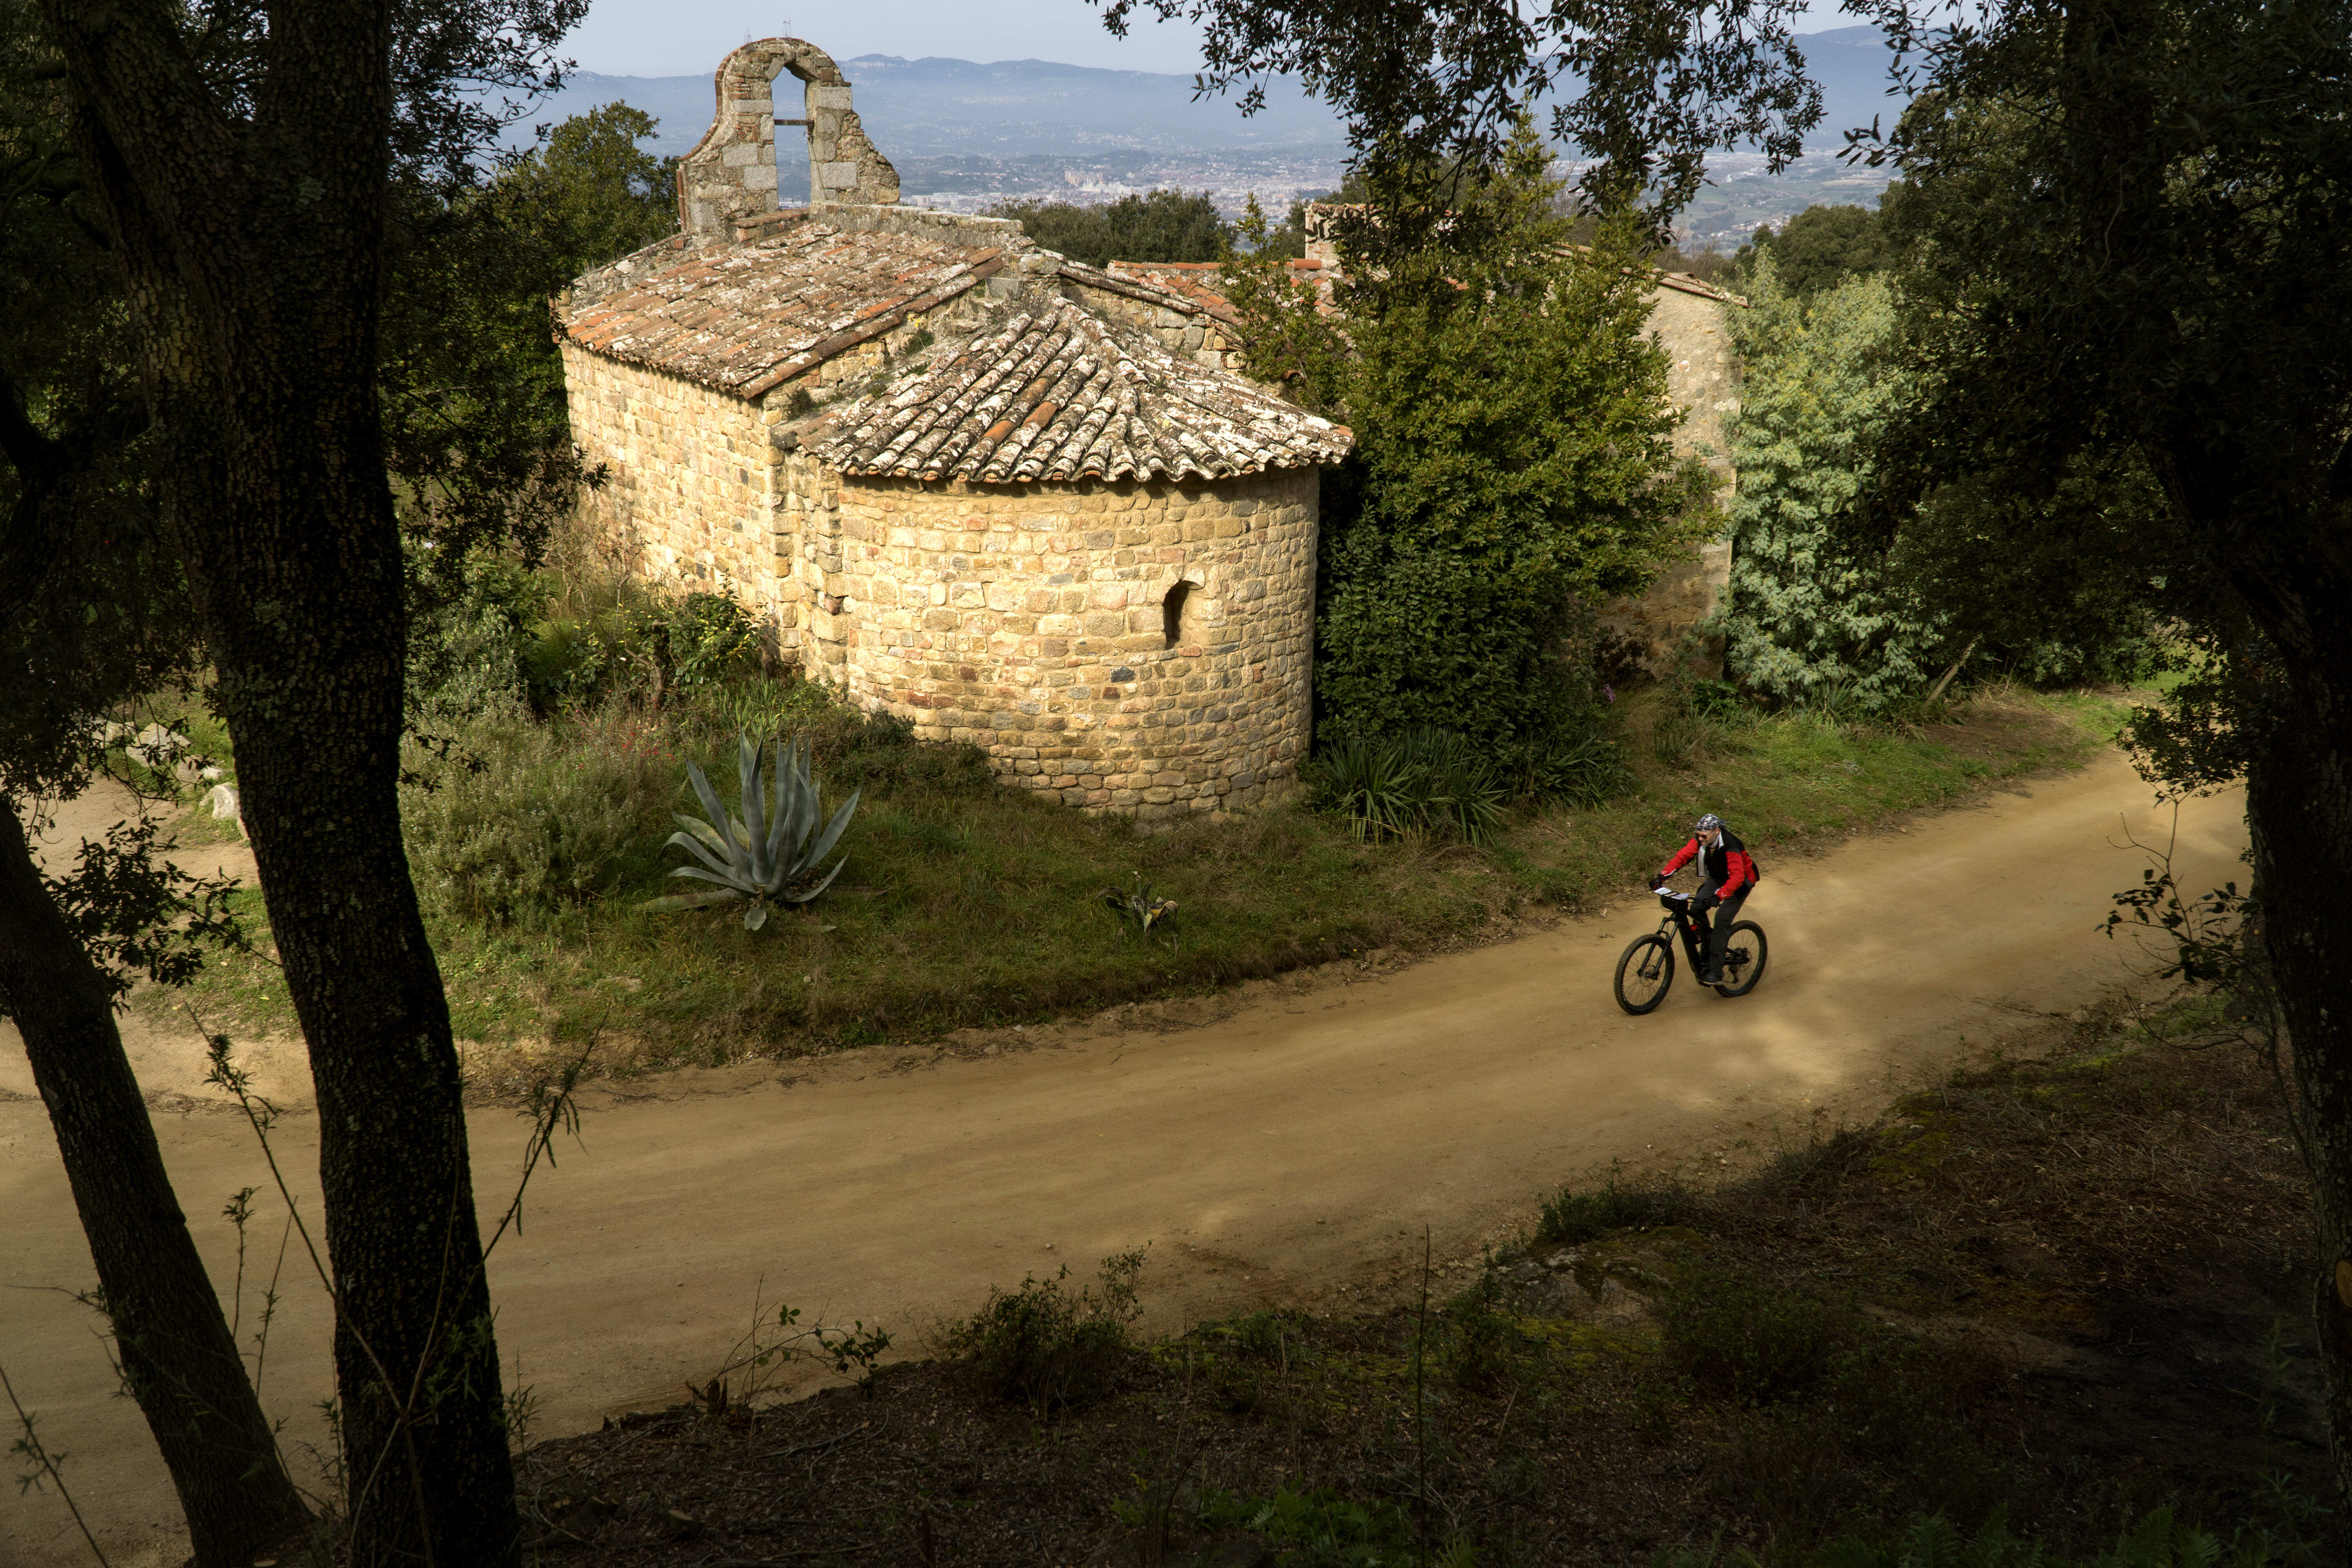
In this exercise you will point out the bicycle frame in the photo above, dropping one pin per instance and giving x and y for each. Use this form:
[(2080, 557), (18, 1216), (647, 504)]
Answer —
[(1678, 916)]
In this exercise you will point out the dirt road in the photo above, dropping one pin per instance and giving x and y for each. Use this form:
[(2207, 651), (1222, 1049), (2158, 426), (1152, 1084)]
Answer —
[(1288, 1150)]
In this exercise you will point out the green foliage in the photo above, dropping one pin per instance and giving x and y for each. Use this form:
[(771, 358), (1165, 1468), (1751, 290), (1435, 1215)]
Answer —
[(1746, 1343), (2139, 249), (1820, 616), (1514, 463), (1571, 1218), (94, 609), (1290, 343), (1807, 613), (1320, 1527), (1825, 245), (469, 647), (1478, 1340), (1159, 225), (1418, 781), (592, 195), (765, 849), (139, 916), (1048, 1347), (643, 644), (508, 820), (472, 387)]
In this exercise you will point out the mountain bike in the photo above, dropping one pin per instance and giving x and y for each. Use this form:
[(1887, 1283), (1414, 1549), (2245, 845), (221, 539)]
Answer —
[(1647, 969)]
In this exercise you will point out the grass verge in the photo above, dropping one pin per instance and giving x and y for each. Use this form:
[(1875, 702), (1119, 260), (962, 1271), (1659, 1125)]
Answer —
[(964, 903)]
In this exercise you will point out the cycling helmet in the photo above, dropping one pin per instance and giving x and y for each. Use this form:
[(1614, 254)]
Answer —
[(1707, 824)]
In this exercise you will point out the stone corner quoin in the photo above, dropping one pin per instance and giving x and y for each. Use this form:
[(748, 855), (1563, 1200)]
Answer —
[(1015, 501)]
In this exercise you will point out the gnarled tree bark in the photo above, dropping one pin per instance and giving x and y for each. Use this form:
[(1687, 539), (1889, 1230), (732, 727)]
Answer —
[(248, 221)]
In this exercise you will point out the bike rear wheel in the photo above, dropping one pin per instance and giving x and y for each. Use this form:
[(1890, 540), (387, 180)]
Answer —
[(1743, 959), (1644, 973)]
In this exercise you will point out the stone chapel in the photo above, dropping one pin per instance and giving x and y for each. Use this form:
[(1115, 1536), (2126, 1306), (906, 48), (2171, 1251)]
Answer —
[(1017, 500)]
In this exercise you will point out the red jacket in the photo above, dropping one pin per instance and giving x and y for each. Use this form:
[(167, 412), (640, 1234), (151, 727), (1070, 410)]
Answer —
[(1726, 864)]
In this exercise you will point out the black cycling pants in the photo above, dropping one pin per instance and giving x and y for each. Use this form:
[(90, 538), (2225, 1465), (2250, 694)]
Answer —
[(1712, 936)]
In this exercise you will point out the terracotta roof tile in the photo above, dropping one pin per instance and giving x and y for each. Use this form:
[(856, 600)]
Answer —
[(743, 318), (1056, 393)]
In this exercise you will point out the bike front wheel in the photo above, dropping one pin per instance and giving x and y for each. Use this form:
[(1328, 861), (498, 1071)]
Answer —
[(1644, 974), (1743, 959)]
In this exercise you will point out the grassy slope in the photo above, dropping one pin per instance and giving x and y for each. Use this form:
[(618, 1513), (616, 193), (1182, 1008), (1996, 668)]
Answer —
[(959, 909)]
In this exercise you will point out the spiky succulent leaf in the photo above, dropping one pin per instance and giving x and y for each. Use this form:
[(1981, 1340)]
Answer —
[(769, 848), (832, 835), (703, 899), (703, 844)]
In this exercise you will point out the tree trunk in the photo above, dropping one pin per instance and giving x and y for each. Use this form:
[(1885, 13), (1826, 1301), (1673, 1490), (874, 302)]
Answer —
[(251, 247), (178, 1358), (2298, 802)]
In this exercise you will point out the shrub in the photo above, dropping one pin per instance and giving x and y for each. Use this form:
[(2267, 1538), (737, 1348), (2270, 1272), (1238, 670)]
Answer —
[(467, 651), (1748, 1343), (1319, 1527), (1046, 1346), (1477, 1344), (1572, 1218), (1804, 610), (854, 750), (640, 643), (508, 820), (1421, 780), (1159, 225)]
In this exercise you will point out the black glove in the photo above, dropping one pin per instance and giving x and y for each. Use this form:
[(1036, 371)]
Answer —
[(1705, 901)]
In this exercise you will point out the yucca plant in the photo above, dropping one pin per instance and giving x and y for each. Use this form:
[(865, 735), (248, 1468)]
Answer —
[(768, 851)]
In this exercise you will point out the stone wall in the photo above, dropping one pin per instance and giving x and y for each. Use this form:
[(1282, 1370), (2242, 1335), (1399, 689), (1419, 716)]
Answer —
[(691, 487), (1034, 621), (1703, 376)]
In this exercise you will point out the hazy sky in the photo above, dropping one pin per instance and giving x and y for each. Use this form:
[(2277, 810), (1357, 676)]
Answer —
[(678, 37)]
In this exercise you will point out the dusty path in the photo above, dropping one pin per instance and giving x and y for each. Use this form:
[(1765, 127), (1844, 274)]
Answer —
[(1289, 1151)]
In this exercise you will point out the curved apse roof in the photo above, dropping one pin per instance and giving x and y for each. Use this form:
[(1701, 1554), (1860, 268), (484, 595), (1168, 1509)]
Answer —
[(1058, 393)]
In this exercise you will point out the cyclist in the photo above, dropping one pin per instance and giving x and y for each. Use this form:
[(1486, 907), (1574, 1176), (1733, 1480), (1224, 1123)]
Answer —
[(1725, 877)]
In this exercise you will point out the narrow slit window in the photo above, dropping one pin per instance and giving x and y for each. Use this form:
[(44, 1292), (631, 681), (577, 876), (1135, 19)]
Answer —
[(1175, 617)]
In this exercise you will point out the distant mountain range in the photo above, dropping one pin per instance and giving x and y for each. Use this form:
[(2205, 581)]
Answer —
[(944, 108), (1009, 109), (966, 134)]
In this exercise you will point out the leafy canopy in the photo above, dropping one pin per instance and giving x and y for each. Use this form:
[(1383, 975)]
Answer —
[(1825, 245), (1161, 226), (1644, 88), (1808, 615), (1514, 463)]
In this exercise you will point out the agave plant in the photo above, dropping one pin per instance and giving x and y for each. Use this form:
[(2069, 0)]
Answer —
[(1146, 910), (773, 859)]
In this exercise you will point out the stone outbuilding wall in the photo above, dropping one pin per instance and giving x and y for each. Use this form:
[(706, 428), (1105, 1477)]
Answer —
[(1690, 321)]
